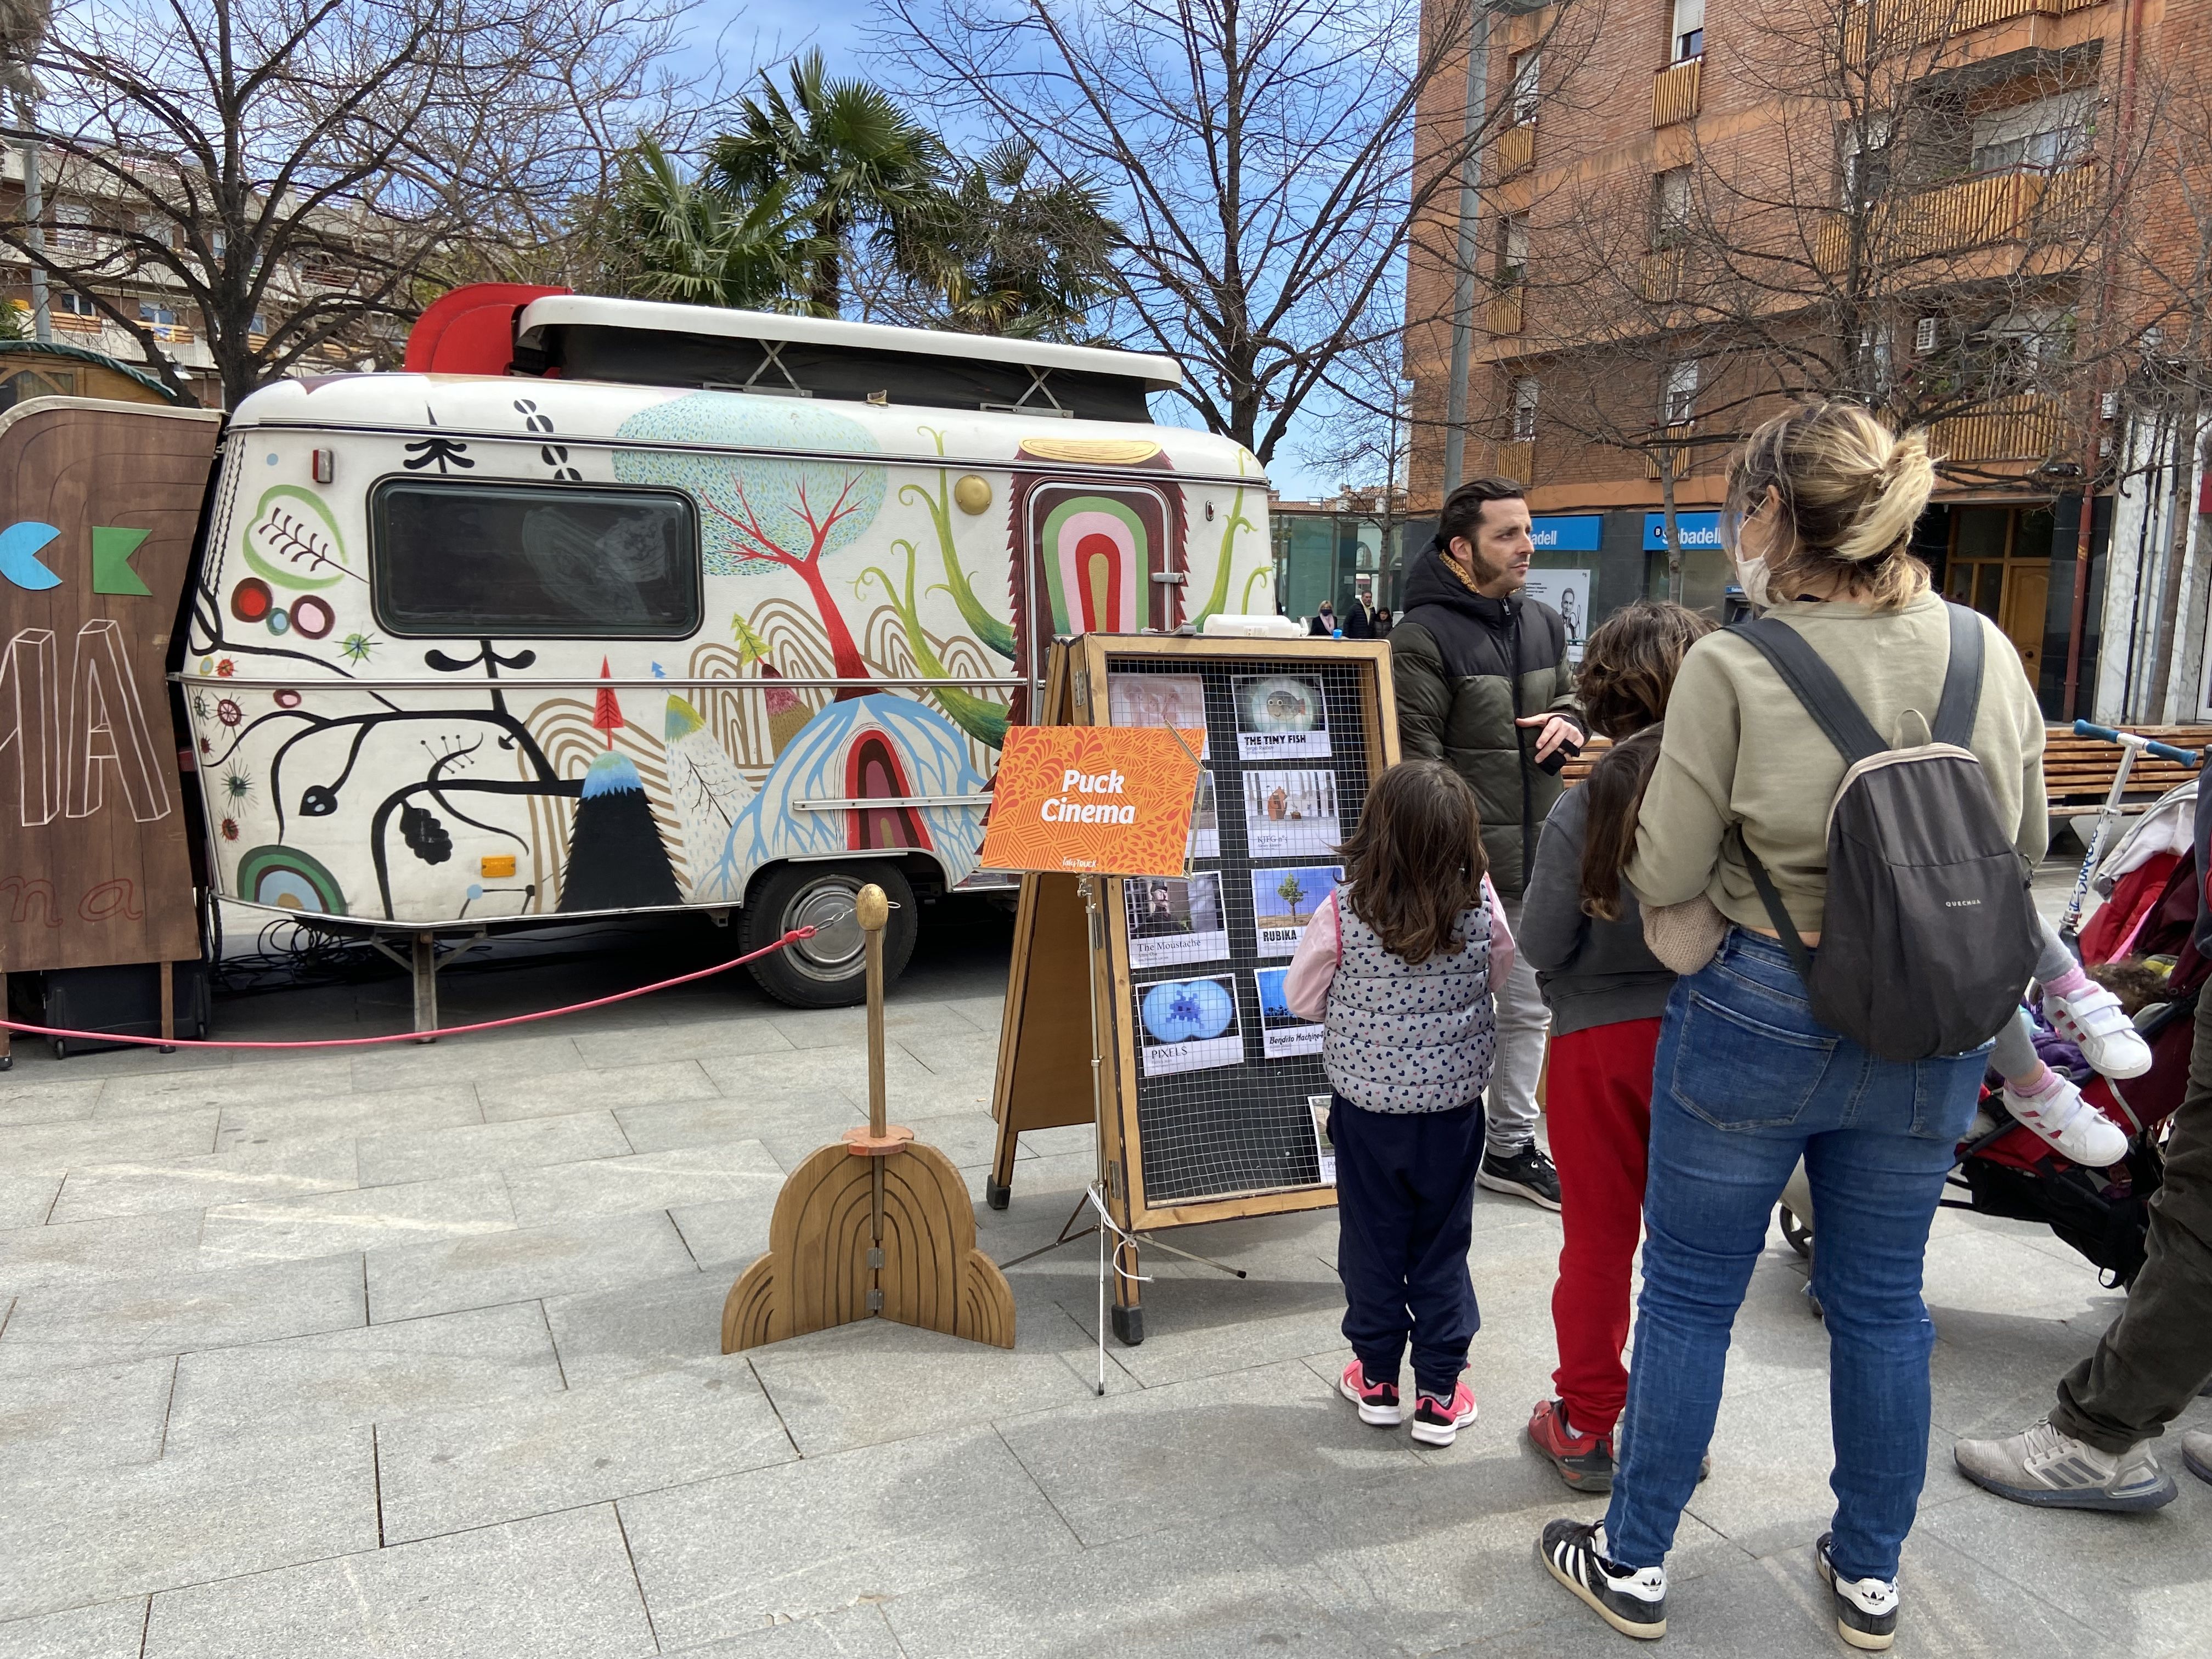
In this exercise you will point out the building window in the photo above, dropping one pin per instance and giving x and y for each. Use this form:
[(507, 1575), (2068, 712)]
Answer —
[(1513, 250), (1528, 86), (1689, 29), (1867, 153), (1670, 207), (2046, 134), (453, 558), (75, 304), (1681, 398), (1524, 408), (159, 315)]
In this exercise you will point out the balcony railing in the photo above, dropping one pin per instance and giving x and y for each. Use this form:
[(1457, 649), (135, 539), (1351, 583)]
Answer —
[(2027, 428), (1518, 461), (1505, 313), (1983, 211), (1661, 275), (1899, 24), (1517, 147), (1670, 443), (68, 322), (1675, 93)]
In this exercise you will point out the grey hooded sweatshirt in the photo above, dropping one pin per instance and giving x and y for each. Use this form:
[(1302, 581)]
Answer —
[(1591, 972)]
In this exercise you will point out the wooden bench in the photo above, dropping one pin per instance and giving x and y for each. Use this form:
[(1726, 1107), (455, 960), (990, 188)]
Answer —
[(2077, 772)]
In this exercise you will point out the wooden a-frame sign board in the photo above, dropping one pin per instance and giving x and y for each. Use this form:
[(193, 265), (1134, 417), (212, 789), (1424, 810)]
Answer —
[(1045, 1039)]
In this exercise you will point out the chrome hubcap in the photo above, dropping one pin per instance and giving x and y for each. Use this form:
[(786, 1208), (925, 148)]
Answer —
[(838, 947)]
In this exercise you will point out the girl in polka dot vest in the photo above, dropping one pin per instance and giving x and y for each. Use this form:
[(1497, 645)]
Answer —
[(1398, 965)]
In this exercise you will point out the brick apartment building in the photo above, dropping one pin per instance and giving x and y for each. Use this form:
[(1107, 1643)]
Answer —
[(1967, 193)]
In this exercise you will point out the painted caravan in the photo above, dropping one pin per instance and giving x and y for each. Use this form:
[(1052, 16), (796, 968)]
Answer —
[(621, 606)]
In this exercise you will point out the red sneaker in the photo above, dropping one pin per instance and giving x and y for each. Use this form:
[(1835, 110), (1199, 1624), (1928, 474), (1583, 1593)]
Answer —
[(1584, 1461), (1437, 1421), (1377, 1401)]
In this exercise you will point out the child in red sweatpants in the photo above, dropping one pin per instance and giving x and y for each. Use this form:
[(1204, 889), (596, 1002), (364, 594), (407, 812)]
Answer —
[(1581, 930)]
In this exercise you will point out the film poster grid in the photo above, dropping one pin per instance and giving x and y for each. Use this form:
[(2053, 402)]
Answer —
[(1194, 1022)]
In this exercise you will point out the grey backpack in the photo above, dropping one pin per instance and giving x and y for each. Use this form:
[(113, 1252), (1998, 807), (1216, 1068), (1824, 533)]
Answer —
[(1929, 936)]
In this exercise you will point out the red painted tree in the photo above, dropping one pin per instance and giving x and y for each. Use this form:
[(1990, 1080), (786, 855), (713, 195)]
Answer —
[(607, 707)]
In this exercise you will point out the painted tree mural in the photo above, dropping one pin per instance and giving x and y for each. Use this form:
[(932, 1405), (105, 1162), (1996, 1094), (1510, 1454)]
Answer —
[(767, 511)]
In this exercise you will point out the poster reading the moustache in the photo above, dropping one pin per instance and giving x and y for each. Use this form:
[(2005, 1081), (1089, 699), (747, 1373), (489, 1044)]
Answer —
[(1280, 717), (1174, 921)]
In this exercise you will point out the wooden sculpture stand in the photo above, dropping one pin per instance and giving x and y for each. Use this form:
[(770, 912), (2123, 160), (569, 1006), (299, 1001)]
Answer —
[(877, 1225)]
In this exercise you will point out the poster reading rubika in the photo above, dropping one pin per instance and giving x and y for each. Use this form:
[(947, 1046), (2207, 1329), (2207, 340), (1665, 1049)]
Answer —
[(1285, 900)]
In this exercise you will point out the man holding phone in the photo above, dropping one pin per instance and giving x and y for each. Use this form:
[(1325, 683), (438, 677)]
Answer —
[(1483, 683)]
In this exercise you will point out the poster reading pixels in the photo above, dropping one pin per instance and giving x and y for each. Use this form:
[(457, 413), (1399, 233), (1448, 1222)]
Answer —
[(1189, 1025), (1288, 813), (1281, 717), (1174, 921), (1285, 900), (1282, 1031)]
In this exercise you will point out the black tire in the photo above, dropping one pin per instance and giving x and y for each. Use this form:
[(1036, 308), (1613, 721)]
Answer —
[(1796, 1233), (830, 971)]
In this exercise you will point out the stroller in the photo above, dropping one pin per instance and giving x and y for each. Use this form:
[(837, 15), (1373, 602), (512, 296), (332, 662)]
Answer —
[(2152, 890)]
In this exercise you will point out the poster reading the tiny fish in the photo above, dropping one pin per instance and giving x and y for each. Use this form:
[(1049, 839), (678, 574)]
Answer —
[(1282, 1032), (1288, 813), (1177, 701), (1324, 1148), (1172, 921), (1285, 900), (1189, 1025), (1280, 717)]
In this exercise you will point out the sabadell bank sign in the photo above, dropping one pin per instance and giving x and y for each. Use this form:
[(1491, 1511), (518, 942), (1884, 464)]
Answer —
[(1696, 530)]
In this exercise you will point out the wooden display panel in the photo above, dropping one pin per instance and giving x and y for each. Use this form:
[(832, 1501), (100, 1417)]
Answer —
[(1046, 1040), (103, 500)]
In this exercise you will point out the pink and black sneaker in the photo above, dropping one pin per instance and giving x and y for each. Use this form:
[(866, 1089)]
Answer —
[(1437, 1421), (1377, 1401)]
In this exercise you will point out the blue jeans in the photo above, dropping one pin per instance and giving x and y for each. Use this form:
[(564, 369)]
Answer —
[(1745, 1083)]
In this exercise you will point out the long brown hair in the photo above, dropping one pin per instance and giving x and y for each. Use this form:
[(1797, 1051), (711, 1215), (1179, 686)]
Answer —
[(1415, 864), (1626, 676)]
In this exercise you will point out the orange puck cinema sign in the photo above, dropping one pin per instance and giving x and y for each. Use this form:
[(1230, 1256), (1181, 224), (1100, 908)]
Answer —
[(1092, 800)]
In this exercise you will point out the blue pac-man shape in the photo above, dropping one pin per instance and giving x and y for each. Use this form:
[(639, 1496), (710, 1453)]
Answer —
[(19, 546)]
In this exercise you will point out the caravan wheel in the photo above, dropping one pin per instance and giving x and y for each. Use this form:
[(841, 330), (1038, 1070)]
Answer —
[(830, 971)]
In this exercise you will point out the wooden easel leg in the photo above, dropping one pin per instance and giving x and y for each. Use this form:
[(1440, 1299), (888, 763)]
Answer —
[(169, 973), (999, 1185), (1129, 1310)]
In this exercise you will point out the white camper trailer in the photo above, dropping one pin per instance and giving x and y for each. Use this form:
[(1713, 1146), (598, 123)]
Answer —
[(685, 608)]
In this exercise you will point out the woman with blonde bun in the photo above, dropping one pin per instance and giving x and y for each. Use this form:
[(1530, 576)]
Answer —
[(1821, 503)]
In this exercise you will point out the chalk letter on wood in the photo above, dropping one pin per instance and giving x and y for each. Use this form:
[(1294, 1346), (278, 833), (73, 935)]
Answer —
[(30, 723), (107, 727)]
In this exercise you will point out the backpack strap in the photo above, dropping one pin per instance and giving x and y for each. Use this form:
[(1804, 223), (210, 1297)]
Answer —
[(1962, 680), (1833, 709)]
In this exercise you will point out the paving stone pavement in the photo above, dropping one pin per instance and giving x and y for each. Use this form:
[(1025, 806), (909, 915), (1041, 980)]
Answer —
[(413, 1351)]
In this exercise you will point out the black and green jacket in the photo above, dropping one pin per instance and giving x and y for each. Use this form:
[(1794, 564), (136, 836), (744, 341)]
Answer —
[(1466, 667)]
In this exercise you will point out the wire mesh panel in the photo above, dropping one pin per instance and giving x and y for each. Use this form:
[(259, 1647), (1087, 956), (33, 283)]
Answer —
[(1226, 1074)]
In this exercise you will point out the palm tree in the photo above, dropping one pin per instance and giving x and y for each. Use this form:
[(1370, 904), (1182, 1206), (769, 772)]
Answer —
[(848, 160), (1011, 257), (693, 242)]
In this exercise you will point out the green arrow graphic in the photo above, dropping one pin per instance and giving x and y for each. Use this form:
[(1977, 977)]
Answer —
[(111, 561)]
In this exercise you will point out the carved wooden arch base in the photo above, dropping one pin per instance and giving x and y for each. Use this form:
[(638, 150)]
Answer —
[(816, 1273)]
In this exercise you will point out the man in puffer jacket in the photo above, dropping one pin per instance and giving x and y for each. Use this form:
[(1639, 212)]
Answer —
[(1483, 682)]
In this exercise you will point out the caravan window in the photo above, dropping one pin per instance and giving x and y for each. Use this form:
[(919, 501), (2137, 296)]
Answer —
[(459, 557)]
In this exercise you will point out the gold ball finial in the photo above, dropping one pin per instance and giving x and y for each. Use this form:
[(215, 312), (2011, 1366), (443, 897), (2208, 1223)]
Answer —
[(871, 908), (972, 494)]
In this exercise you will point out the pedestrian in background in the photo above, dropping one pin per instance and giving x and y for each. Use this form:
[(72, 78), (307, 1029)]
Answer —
[(1584, 937), (1323, 624), (1397, 964), (1821, 504), (1483, 683)]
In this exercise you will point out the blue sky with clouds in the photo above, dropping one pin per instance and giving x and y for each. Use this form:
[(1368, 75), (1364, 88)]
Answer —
[(733, 36)]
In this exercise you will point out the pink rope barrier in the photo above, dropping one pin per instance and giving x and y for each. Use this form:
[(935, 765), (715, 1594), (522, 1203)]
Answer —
[(791, 938)]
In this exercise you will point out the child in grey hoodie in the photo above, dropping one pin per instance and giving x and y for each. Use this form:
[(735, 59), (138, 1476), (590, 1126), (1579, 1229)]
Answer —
[(1580, 931)]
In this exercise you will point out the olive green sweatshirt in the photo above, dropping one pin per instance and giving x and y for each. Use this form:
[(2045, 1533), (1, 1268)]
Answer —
[(1741, 749)]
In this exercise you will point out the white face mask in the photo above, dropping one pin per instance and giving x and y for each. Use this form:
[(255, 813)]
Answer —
[(1751, 576)]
